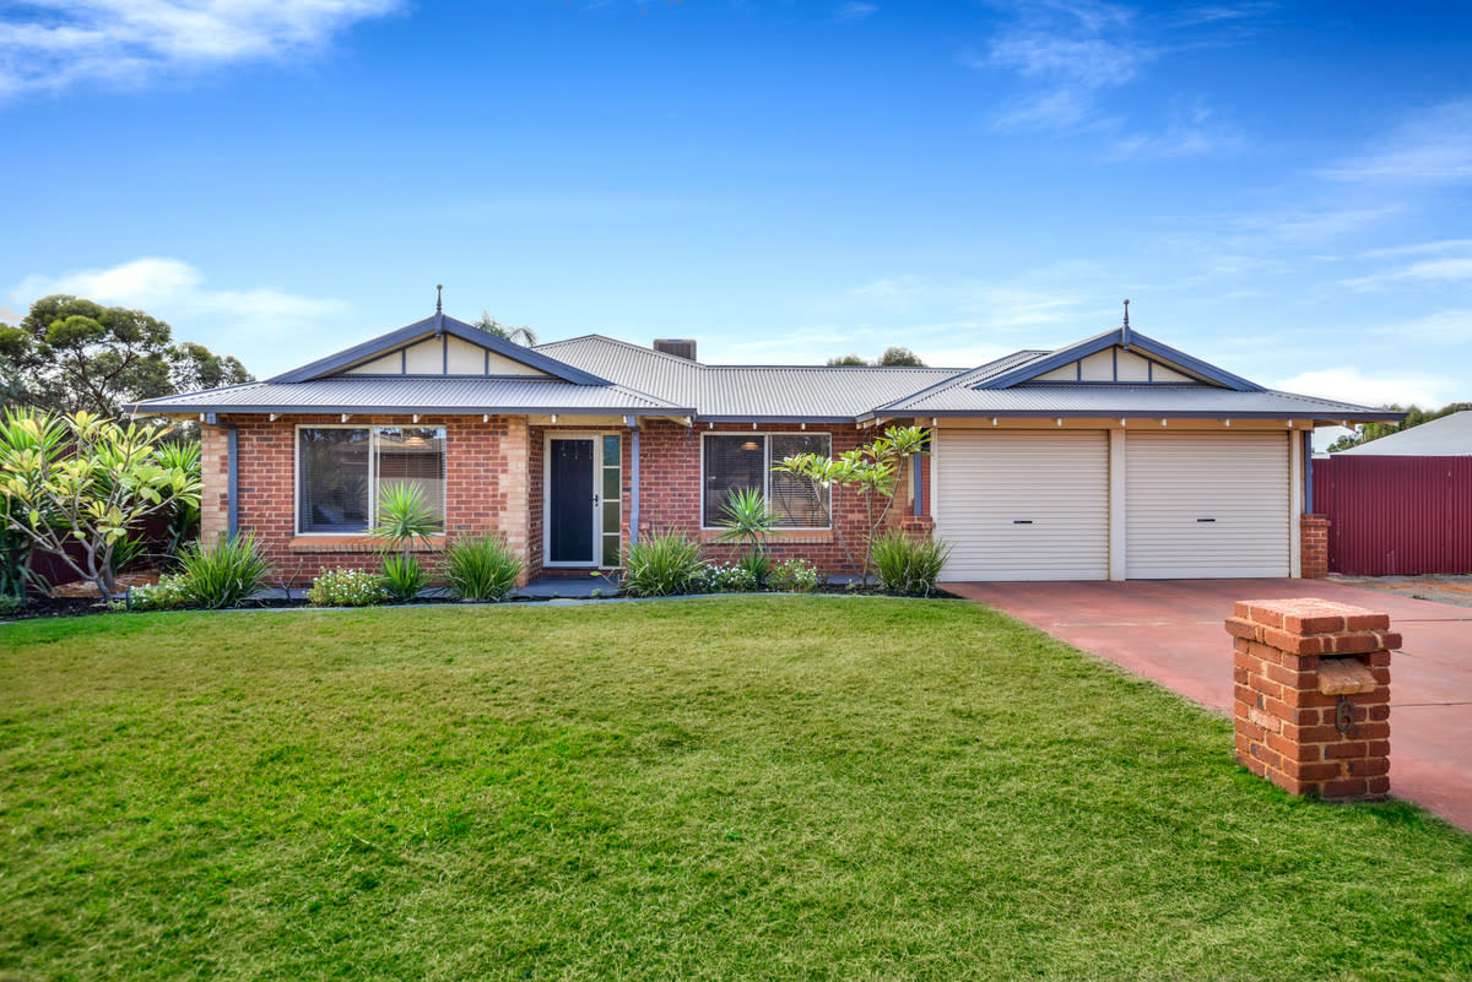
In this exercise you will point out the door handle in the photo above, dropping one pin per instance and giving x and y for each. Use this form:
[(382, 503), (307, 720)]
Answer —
[(597, 501)]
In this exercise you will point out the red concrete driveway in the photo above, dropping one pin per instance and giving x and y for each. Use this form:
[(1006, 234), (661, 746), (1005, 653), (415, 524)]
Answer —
[(1171, 631)]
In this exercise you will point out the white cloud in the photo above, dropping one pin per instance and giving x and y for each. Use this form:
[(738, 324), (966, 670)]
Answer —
[(1426, 271), (50, 44), (1420, 249), (1089, 62), (1347, 383), (1443, 326), (175, 291), (1432, 146), (1190, 133), (970, 304), (855, 10)]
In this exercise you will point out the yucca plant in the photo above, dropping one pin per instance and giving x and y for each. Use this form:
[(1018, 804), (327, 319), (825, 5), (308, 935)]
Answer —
[(481, 568), (227, 574), (404, 577), (403, 519), (909, 566), (747, 519), (662, 565)]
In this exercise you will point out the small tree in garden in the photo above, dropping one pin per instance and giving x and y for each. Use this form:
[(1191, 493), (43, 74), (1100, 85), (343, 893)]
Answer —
[(872, 470), (403, 519), (748, 520), (85, 482)]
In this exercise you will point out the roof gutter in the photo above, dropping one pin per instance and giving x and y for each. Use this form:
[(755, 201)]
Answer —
[(1365, 416)]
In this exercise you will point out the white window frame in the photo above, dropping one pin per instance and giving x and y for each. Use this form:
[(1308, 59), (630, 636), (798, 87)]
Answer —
[(766, 473), (372, 428), (597, 437)]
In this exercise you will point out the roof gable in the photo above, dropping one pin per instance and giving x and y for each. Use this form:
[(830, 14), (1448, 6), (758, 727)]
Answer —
[(1097, 360), (500, 356)]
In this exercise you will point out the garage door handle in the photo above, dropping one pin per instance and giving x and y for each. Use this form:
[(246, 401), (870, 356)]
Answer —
[(1021, 521), (1205, 519)]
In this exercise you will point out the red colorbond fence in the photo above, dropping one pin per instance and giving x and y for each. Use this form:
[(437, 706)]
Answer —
[(1396, 515)]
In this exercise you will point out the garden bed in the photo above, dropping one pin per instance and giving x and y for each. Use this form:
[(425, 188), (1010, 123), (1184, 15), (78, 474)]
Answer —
[(38, 607)]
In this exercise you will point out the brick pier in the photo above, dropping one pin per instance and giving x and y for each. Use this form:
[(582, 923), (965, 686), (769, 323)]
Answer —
[(1312, 696)]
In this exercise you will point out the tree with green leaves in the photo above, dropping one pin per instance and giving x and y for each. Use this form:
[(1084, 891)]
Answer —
[(1415, 416), (520, 335), (872, 470), (72, 355), (894, 356), (77, 486)]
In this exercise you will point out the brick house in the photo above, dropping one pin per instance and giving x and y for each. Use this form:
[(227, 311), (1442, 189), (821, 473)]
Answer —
[(1115, 457)]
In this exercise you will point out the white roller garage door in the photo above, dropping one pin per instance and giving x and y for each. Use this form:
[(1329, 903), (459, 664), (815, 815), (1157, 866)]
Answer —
[(1206, 505), (1023, 505)]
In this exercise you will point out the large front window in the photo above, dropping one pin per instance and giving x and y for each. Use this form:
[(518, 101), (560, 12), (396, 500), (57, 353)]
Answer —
[(341, 471), (738, 461)]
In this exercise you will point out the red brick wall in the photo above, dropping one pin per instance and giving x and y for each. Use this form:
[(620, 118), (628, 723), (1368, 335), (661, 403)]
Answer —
[(485, 476), (494, 477), (670, 495), (1313, 542)]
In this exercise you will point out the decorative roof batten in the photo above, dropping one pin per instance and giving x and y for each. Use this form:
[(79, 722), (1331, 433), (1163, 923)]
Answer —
[(439, 325)]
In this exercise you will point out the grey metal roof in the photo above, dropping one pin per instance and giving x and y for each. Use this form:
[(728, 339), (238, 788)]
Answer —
[(747, 391), (1121, 399), (666, 376), (425, 394), (1446, 436), (649, 382)]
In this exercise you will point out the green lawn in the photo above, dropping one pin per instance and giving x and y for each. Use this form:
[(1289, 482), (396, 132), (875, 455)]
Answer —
[(743, 787)]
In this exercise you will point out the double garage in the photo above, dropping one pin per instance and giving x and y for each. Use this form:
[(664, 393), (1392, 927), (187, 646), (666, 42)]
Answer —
[(1129, 502)]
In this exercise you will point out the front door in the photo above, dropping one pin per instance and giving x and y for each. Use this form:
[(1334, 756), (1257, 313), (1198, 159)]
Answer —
[(571, 504)]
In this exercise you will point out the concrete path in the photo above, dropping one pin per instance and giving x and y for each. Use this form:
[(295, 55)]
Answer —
[(1171, 631)]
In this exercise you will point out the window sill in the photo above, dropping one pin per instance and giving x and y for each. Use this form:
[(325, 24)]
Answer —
[(356, 543), (790, 536)]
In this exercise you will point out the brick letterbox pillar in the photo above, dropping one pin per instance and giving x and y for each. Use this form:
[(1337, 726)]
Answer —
[(1312, 696)]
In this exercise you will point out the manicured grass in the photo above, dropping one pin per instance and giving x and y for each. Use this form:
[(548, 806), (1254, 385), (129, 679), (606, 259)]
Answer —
[(746, 787)]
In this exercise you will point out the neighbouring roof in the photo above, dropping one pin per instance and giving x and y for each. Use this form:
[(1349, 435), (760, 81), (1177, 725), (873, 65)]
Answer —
[(1116, 373), (1445, 436)]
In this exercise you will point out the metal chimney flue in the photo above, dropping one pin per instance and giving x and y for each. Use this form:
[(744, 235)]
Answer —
[(679, 347)]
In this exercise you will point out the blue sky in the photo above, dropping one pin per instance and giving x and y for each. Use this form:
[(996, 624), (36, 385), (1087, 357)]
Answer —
[(1285, 189)]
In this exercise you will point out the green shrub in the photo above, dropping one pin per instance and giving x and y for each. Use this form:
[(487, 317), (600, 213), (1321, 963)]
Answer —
[(908, 566), (169, 593), (226, 575), (794, 576), (347, 588), (404, 577), (129, 551), (10, 605), (758, 566), (481, 568), (662, 565), (732, 578)]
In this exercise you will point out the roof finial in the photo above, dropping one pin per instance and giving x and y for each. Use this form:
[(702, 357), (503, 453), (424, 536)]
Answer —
[(439, 299), (1124, 331)]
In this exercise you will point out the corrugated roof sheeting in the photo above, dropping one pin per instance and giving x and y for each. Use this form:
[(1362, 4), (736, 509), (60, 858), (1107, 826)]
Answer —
[(1111, 399), (745, 391), (644, 369), (464, 394), (651, 382)]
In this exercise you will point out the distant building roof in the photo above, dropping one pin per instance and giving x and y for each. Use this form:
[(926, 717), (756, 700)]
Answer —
[(1446, 436)]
